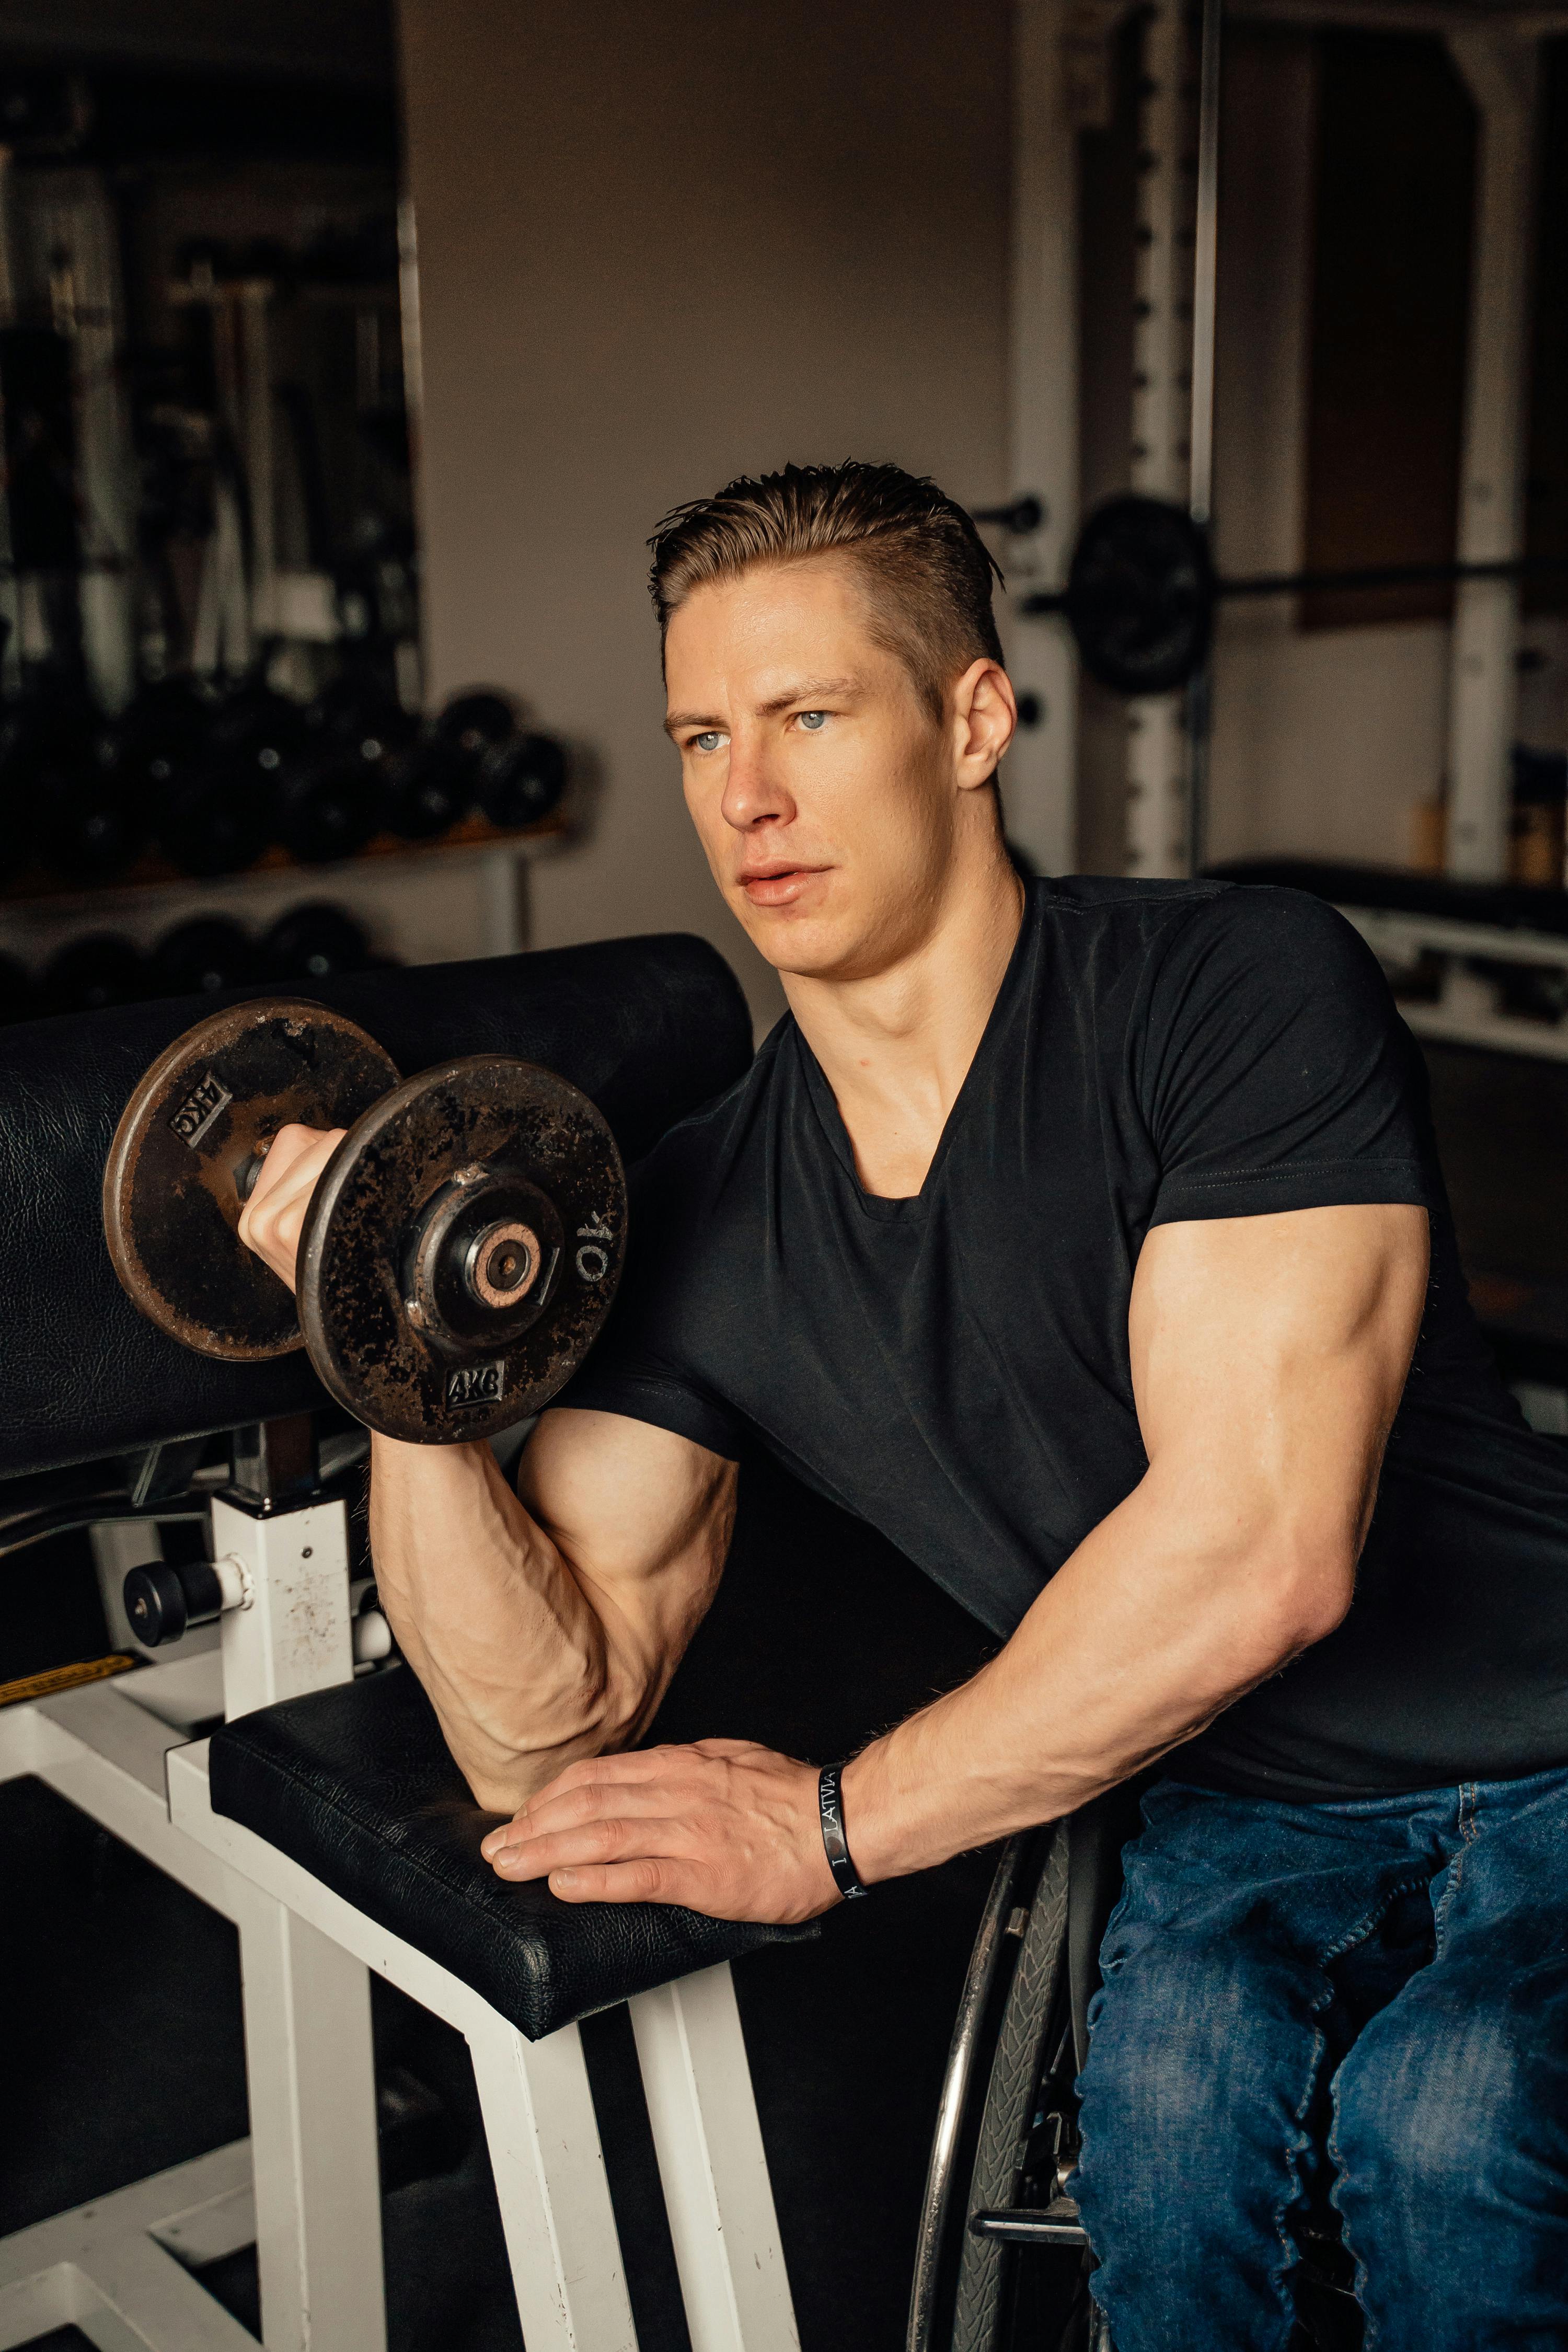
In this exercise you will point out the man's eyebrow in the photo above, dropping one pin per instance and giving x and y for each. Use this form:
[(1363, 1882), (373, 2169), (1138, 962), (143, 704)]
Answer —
[(811, 689)]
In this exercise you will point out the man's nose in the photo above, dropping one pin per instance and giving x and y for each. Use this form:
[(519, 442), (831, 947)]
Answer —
[(754, 789)]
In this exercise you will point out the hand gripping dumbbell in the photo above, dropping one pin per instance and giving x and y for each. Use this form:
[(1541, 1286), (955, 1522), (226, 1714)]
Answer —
[(462, 1248)]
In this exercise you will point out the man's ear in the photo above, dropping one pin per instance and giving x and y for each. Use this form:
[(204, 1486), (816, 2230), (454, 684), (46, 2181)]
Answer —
[(984, 717)]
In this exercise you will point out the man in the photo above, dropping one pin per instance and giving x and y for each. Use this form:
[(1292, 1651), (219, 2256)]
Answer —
[(1081, 1237)]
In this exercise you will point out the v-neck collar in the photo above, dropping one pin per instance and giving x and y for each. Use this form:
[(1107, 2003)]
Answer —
[(825, 1102)]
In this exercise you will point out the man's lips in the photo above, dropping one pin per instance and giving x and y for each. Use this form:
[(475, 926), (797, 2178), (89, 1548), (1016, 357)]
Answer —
[(778, 882)]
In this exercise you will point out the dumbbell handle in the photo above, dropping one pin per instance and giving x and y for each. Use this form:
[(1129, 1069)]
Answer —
[(164, 1601)]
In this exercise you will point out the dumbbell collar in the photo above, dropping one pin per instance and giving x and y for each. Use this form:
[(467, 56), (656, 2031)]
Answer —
[(458, 1273)]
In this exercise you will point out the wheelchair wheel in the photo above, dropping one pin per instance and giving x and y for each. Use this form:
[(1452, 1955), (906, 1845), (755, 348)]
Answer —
[(1006, 2119)]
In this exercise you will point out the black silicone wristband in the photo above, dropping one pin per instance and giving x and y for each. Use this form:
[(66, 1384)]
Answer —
[(845, 1877)]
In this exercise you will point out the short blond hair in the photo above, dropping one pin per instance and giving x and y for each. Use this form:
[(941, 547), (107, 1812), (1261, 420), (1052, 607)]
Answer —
[(929, 573)]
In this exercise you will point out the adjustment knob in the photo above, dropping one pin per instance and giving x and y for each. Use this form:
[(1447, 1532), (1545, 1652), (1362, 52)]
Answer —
[(164, 1601)]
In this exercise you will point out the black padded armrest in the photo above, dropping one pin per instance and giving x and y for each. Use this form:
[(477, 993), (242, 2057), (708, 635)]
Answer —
[(356, 1785)]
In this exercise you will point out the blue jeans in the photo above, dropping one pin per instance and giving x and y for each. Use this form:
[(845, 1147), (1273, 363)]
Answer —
[(1364, 2004)]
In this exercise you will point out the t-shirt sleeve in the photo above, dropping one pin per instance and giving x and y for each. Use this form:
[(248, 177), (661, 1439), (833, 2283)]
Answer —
[(638, 1365), (1275, 1072)]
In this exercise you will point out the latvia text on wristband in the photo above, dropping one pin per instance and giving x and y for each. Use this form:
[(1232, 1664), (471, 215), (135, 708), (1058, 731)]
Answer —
[(837, 1845)]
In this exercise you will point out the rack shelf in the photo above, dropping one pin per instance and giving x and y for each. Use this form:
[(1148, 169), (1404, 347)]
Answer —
[(153, 881)]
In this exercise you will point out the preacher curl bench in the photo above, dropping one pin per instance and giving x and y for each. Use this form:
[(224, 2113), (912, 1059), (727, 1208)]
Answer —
[(324, 1816)]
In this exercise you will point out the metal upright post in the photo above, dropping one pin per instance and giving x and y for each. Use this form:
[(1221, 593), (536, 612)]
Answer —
[(551, 2186), (73, 220), (713, 2165), (1200, 500), (1162, 390), (1502, 69), (254, 332), (1205, 269), (310, 2060), (1040, 778)]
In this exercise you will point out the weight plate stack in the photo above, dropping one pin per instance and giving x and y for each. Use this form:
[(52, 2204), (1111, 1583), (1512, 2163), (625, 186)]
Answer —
[(184, 1157), (461, 1250)]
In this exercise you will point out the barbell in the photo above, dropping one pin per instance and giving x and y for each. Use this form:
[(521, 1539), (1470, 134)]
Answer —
[(460, 1250), (1141, 591)]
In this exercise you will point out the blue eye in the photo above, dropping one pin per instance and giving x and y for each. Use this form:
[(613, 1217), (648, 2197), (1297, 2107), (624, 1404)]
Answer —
[(708, 740), (814, 721)]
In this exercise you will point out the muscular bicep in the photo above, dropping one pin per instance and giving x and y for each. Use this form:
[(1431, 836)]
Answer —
[(1269, 1358), (643, 1517)]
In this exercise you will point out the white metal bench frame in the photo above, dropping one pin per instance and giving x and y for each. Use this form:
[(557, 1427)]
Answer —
[(305, 2189)]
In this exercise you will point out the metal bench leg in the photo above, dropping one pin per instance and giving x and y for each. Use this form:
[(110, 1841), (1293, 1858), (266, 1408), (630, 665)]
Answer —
[(311, 2073), (549, 2167), (711, 2162)]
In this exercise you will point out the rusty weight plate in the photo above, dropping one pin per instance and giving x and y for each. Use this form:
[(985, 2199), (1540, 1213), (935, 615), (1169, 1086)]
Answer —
[(172, 1190), (462, 1249)]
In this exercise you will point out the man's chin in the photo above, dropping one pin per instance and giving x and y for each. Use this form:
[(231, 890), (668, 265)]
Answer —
[(808, 949), (793, 942)]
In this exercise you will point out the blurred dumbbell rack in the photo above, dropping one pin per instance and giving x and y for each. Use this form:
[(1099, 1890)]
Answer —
[(215, 363), (427, 901)]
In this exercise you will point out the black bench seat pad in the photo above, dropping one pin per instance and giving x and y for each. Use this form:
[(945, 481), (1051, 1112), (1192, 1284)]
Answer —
[(357, 1786)]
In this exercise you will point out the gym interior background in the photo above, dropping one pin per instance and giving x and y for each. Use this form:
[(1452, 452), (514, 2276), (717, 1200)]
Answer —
[(348, 355)]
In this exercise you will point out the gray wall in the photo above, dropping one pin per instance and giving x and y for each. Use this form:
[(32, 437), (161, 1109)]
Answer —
[(657, 247)]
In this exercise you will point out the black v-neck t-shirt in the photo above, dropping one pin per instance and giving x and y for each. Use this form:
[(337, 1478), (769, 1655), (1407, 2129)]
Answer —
[(953, 1369)]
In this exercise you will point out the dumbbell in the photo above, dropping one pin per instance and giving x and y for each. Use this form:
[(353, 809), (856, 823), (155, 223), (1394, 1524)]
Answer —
[(327, 804), (432, 777), (38, 731), (91, 817), (349, 787), (462, 1248), (199, 957), (476, 721), (427, 786), (163, 733), (91, 973), (311, 941), (516, 777), (521, 781), (216, 813), (471, 728)]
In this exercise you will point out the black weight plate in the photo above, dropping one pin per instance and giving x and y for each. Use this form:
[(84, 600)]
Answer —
[(1140, 595), (484, 1113), (171, 1194)]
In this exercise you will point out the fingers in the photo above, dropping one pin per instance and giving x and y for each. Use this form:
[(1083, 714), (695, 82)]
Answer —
[(581, 1782), (725, 1827), (591, 1843), (273, 1219), (648, 1783), (289, 1144), (635, 1881), (646, 1799), (576, 1811)]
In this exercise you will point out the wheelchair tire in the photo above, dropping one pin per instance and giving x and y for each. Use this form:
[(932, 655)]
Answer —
[(1014, 1996), (1031, 2006)]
